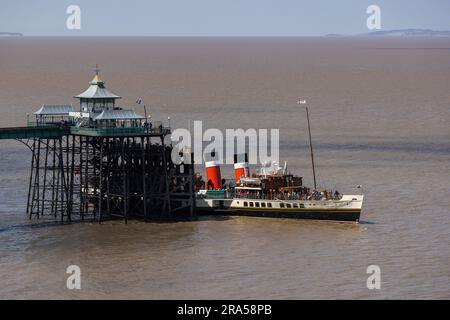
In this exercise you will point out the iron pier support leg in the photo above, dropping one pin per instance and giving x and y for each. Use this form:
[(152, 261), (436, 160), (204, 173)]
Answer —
[(144, 191), (108, 174), (80, 171), (100, 194), (72, 176), (166, 178), (31, 176), (44, 185), (53, 155), (64, 193), (126, 179), (35, 193)]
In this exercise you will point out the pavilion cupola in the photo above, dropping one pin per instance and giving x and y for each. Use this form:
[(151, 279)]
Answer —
[(97, 98)]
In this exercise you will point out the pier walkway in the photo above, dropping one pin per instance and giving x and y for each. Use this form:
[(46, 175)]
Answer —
[(57, 131), (48, 131)]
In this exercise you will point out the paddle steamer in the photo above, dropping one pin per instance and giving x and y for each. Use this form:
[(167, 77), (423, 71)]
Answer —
[(273, 192)]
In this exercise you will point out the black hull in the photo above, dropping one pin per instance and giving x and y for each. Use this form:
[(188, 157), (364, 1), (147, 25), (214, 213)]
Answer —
[(352, 216)]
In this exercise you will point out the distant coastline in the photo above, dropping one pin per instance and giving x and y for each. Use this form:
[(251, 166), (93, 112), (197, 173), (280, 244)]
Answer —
[(11, 34), (379, 33), (399, 33)]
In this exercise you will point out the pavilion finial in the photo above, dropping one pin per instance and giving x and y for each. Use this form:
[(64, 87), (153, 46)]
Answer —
[(96, 80)]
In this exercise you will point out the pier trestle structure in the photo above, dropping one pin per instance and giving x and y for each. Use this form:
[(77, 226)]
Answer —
[(100, 176), (102, 161)]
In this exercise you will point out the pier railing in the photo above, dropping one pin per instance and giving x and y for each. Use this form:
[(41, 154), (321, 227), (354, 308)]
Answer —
[(112, 131), (229, 194), (46, 131), (45, 123), (101, 130)]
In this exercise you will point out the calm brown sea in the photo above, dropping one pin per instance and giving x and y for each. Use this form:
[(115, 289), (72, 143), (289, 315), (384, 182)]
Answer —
[(380, 112)]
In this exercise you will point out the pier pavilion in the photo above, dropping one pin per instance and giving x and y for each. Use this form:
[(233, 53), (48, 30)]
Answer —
[(102, 161)]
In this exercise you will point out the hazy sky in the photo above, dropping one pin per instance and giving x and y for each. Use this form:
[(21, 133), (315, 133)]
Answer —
[(218, 17)]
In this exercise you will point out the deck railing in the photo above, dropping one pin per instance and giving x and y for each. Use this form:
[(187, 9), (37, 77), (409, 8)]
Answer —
[(46, 123), (101, 130), (117, 130), (106, 131), (229, 194)]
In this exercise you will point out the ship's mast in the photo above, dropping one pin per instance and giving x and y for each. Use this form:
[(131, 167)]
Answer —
[(310, 143)]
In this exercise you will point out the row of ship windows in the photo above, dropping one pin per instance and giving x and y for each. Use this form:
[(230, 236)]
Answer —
[(269, 205)]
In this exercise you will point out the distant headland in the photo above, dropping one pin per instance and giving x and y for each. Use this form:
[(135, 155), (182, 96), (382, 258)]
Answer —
[(400, 33), (11, 34)]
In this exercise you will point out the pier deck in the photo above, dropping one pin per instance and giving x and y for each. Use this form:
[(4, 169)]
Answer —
[(47, 131), (57, 131), (104, 172)]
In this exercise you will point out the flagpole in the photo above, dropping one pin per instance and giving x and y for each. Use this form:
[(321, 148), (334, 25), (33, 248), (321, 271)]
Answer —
[(310, 143), (311, 148)]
